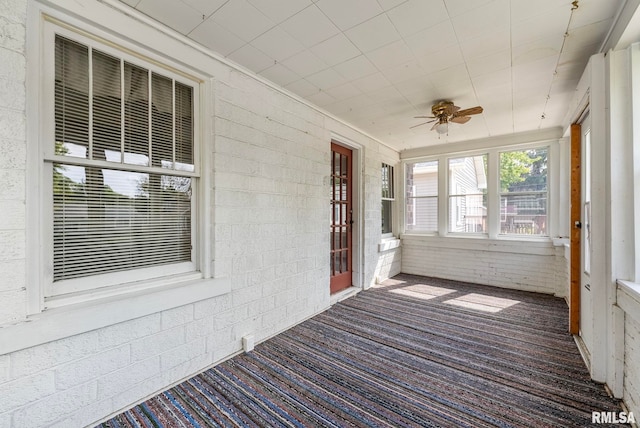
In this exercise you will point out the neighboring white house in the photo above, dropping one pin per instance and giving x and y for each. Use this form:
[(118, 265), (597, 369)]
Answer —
[(212, 225)]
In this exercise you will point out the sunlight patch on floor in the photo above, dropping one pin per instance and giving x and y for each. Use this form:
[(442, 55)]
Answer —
[(482, 302), (423, 291)]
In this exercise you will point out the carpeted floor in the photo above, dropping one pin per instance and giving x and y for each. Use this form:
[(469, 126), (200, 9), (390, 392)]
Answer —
[(413, 352)]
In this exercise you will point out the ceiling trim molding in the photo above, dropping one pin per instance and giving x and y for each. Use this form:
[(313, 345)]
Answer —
[(539, 136)]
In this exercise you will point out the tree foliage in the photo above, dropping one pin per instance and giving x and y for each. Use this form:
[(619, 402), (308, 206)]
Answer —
[(525, 168)]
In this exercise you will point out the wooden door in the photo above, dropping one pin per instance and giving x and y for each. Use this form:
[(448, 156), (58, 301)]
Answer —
[(341, 217)]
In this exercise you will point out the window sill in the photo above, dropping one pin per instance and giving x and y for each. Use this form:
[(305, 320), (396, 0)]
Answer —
[(387, 244), (628, 298), (58, 323)]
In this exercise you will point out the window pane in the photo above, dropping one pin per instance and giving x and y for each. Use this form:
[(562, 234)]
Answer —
[(387, 181), (468, 213), (107, 220), (523, 200), (422, 179), (386, 216), (524, 214), (468, 175), (71, 98), (107, 108), (422, 214), (136, 123), (184, 127), (524, 171), (468, 194), (162, 122)]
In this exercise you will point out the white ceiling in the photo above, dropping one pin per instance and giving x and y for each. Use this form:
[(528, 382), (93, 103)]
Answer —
[(378, 63)]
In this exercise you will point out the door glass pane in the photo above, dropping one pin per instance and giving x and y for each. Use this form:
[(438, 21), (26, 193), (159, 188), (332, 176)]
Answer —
[(344, 265), (343, 168), (344, 237)]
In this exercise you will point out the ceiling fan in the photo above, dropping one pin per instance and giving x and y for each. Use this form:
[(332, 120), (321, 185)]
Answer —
[(445, 112)]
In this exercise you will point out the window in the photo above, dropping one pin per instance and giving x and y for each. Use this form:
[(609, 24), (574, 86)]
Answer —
[(468, 194), (387, 199), (121, 162), (422, 196), (523, 192)]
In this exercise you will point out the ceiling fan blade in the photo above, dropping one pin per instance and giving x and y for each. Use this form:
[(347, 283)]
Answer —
[(469, 111), (460, 119), (424, 117), (453, 109), (420, 124)]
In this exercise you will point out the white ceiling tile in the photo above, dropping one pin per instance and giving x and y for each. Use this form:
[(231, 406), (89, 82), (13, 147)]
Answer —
[(321, 99), (355, 68), (441, 60), (335, 50), (390, 4), (176, 15), (216, 37), (132, 3), (376, 32), (372, 82), (326, 79), (522, 10), (432, 39), (277, 44), (346, 14), (302, 88), (489, 42), (280, 75), (459, 7), (252, 58), (536, 50), (587, 35), (481, 20), (281, 10), (416, 15), (206, 7), (489, 64), (417, 91), (343, 92), (310, 26), (391, 55), (305, 63), (554, 23), (407, 71), (242, 19), (590, 11)]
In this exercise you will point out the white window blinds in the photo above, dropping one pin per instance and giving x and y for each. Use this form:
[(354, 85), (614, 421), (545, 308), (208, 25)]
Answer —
[(123, 168)]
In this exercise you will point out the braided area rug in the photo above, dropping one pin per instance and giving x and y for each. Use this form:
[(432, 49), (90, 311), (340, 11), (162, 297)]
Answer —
[(412, 352)]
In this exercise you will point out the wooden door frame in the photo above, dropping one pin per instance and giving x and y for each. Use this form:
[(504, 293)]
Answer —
[(343, 280), (575, 237)]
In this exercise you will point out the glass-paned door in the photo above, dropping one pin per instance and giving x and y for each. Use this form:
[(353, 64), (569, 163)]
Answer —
[(341, 217)]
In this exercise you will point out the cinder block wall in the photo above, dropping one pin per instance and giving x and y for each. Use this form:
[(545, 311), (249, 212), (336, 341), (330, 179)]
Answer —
[(270, 156)]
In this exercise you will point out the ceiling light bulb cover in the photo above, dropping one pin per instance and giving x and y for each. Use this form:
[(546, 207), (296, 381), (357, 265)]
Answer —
[(442, 128)]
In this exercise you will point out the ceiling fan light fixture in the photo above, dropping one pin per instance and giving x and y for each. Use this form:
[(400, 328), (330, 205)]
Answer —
[(442, 128)]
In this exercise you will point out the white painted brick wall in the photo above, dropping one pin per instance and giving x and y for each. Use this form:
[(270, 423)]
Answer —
[(632, 366), (523, 266), (12, 160)]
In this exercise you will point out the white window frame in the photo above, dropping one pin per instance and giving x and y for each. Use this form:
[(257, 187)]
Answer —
[(547, 196), (391, 198), (40, 295), (493, 191), (436, 197)]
